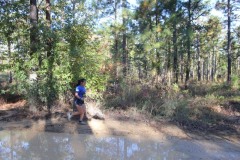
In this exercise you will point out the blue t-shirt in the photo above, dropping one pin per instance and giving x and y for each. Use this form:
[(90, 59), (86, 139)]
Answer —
[(81, 91)]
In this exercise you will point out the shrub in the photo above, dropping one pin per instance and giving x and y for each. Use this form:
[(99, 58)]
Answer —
[(235, 82)]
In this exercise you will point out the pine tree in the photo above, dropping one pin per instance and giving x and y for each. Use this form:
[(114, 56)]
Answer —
[(229, 6)]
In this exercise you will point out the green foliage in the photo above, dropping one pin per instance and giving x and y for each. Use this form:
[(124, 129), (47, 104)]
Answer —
[(73, 54), (78, 45), (176, 88), (235, 82), (213, 99)]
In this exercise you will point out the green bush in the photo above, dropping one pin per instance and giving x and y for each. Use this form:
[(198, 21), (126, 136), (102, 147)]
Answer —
[(235, 82)]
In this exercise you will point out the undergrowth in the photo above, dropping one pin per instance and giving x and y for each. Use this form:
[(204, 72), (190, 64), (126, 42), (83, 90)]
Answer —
[(202, 106)]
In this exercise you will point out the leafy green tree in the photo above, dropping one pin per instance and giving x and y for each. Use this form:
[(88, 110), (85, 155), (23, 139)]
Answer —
[(9, 20)]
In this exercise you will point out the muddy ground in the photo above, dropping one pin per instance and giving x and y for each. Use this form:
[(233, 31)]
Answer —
[(15, 115)]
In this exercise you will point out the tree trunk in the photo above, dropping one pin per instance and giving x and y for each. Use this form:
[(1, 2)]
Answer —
[(208, 60), (169, 64), (116, 56), (198, 59), (182, 66), (157, 40), (193, 67), (238, 66), (145, 67), (124, 43), (9, 60), (139, 72), (50, 57), (175, 54), (73, 11), (215, 66), (48, 19), (212, 66), (203, 70), (229, 43), (188, 44), (33, 29)]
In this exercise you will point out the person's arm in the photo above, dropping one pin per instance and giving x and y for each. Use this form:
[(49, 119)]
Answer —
[(77, 96)]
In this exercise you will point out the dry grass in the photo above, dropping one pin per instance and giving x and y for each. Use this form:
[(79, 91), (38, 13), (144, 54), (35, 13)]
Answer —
[(203, 107)]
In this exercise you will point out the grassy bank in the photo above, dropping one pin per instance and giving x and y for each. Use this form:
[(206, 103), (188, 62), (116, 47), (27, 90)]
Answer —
[(205, 107), (202, 107)]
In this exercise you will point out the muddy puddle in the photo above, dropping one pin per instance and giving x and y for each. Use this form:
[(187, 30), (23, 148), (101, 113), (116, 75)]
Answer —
[(26, 145)]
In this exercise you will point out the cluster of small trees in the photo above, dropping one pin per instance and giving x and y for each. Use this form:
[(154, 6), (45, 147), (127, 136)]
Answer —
[(169, 41), (55, 41)]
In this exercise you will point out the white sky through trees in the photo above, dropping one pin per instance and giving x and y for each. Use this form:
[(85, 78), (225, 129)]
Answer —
[(213, 12), (212, 3), (134, 3)]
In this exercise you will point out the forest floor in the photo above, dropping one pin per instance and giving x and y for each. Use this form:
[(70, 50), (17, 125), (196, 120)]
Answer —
[(15, 115)]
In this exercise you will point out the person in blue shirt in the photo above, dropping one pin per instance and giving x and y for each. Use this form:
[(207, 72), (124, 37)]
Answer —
[(80, 93)]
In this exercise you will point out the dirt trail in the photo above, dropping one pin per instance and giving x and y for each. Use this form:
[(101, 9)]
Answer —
[(117, 127), (15, 116), (111, 126), (11, 120)]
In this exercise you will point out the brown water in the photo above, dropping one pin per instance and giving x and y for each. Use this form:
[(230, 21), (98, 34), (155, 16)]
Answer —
[(28, 145)]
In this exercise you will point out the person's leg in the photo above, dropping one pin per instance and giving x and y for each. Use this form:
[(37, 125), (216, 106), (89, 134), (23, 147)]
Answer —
[(75, 111), (81, 110), (84, 109), (85, 112), (71, 114)]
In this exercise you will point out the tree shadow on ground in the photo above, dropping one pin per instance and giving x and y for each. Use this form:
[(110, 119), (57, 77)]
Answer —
[(20, 119), (17, 116), (204, 120)]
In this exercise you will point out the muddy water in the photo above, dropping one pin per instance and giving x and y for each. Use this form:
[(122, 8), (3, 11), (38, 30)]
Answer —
[(28, 145)]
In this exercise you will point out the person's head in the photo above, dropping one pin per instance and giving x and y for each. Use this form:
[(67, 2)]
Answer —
[(82, 82)]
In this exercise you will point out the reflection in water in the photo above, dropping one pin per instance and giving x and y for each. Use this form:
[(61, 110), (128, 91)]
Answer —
[(19, 145)]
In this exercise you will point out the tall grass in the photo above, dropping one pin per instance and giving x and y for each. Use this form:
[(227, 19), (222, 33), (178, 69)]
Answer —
[(157, 100), (199, 107)]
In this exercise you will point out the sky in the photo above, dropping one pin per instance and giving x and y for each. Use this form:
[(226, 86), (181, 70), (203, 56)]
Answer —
[(212, 2), (213, 12)]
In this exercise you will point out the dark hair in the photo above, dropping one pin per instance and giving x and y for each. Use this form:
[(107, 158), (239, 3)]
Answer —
[(80, 81)]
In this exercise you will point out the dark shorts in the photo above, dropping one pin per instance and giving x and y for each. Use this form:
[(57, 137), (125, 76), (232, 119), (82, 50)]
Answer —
[(79, 102)]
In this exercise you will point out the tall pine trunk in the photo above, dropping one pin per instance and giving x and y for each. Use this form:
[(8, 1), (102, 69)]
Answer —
[(198, 59), (182, 65), (203, 71), (229, 43), (50, 56), (188, 44), (124, 43), (213, 64), (169, 64), (208, 66), (175, 54), (33, 29), (157, 40), (9, 59), (116, 55)]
